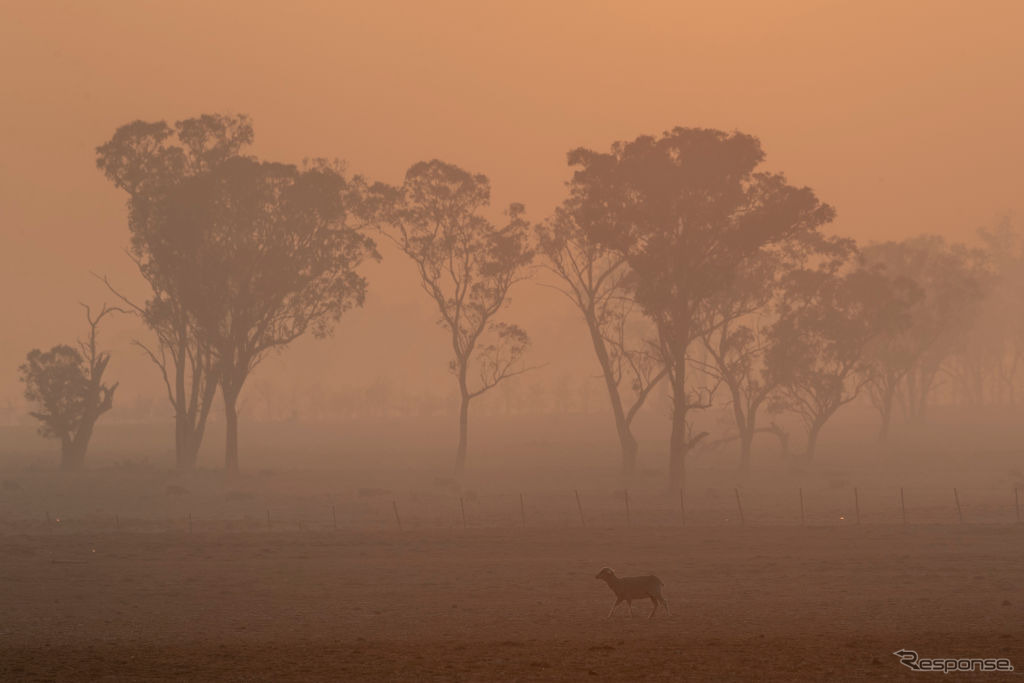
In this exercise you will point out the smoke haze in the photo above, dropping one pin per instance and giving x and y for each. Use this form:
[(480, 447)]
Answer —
[(904, 119)]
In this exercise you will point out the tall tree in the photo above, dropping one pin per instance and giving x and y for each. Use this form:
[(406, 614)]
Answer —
[(67, 386), (467, 266), (818, 350), (735, 330), (986, 357), (272, 256), (908, 358), (597, 281), (684, 210), (738, 321), (148, 160)]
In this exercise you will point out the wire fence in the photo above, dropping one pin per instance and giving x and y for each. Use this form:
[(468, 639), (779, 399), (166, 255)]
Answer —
[(373, 509)]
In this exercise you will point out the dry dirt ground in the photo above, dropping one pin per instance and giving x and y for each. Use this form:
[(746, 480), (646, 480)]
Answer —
[(777, 603)]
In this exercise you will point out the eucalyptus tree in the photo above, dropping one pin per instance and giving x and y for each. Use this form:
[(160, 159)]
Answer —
[(467, 265), (148, 160), (597, 281), (65, 384), (272, 251), (685, 210), (827, 322), (908, 359)]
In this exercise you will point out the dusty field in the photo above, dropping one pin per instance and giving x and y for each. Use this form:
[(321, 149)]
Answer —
[(505, 604)]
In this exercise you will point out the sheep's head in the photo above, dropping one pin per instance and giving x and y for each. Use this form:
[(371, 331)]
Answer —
[(605, 573)]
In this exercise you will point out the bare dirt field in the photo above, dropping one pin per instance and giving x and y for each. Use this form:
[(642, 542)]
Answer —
[(777, 603), (295, 569)]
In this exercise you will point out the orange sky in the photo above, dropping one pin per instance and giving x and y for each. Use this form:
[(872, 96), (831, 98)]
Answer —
[(906, 116)]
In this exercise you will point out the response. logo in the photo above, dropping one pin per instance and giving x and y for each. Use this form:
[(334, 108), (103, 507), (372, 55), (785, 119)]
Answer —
[(911, 660)]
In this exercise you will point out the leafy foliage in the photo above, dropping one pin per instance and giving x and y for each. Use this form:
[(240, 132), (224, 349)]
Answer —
[(467, 266), (686, 210), (57, 381)]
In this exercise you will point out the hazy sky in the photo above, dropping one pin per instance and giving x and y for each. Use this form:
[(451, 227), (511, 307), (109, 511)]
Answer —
[(906, 116)]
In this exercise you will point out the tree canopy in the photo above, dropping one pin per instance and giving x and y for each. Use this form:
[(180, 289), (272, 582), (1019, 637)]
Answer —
[(149, 160), (262, 253), (467, 265), (686, 209)]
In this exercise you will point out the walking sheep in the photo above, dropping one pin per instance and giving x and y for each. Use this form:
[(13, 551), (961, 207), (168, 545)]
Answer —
[(630, 588)]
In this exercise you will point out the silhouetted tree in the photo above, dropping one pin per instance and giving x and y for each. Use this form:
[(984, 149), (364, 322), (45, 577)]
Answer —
[(1003, 316), (148, 161), (736, 330), (908, 358), (737, 325), (986, 355), (271, 256), (597, 281), (826, 323), (685, 209), (467, 266), (67, 386)]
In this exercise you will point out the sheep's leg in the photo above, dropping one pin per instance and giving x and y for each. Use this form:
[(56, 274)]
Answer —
[(614, 605), (665, 603), (654, 601), (630, 604)]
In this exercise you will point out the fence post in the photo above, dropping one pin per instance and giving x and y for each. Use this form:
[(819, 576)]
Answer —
[(739, 506), (959, 514), (802, 520), (629, 521), (394, 506), (579, 506), (856, 504), (903, 507)]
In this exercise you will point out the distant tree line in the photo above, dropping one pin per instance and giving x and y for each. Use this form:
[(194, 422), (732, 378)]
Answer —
[(696, 273)]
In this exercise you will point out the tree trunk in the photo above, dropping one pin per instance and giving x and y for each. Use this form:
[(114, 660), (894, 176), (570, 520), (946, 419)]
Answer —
[(679, 439), (460, 453), (920, 386), (630, 448), (812, 441), (886, 410), (627, 442), (746, 446), (80, 444), (746, 426), (910, 400), (181, 416), (678, 448), (231, 426), (679, 444), (182, 442), (71, 456), (191, 427), (188, 451)]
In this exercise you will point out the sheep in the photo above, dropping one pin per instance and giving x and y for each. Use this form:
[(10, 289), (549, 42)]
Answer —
[(630, 588)]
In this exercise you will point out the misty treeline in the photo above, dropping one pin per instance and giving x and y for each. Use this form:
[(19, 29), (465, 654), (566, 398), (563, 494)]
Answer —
[(696, 272)]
